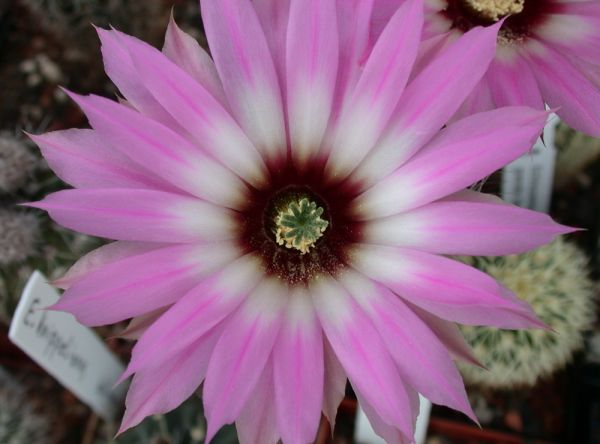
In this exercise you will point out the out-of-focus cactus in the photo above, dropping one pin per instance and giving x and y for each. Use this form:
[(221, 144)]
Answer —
[(17, 163), (554, 281), (19, 234), (19, 421)]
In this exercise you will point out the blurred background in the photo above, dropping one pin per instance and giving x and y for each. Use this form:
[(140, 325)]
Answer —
[(538, 386)]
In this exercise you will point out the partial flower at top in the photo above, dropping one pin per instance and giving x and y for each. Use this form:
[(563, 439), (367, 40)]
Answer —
[(281, 215), (548, 52)]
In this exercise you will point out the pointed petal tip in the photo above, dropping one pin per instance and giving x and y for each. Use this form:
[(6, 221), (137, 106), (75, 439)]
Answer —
[(77, 98), (57, 306), (126, 424), (210, 431), (32, 136), (565, 229), (126, 374), (38, 204), (172, 21)]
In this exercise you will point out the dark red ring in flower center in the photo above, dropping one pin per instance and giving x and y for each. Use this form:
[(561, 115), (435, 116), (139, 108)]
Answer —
[(330, 252), (516, 26)]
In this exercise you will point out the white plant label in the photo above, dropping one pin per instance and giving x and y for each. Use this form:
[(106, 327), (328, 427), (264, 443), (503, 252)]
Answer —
[(528, 181), (67, 350)]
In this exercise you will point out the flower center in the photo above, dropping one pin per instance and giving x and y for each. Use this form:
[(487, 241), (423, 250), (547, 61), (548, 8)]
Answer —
[(494, 10), (299, 225)]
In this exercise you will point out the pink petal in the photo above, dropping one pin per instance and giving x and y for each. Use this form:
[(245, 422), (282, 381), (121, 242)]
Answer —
[(139, 324), (444, 287), (256, 423), (391, 434), (432, 48), (573, 34), (139, 215), (312, 59), (162, 388), (183, 50), (335, 383), (363, 355), (211, 125), (274, 17), (429, 101), (461, 154), (241, 53), (242, 353), (448, 333), (299, 371), (83, 159), (589, 9), (353, 18), (119, 67), (378, 90), (463, 227), (565, 87), (481, 99), (99, 257), (139, 284), (161, 150), (512, 83), (383, 11), (196, 313), (422, 359)]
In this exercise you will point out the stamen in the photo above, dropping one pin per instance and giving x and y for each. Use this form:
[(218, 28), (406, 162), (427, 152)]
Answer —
[(494, 10), (300, 225)]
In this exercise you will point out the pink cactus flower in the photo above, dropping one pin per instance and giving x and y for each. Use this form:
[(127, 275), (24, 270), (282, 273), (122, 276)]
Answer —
[(548, 52), (282, 211)]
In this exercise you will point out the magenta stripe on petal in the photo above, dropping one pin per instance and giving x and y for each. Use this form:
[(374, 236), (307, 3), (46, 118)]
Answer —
[(211, 125), (363, 355), (274, 18), (335, 383), (312, 61), (565, 87), (138, 215), (459, 156), (183, 50), (377, 92), (299, 371), (119, 67), (83, 159), (162, 388), (257, 423), (138, 284), (447, 288), (242, 353), (353, 27), (448, 333), (463, 227), (429, 101), (196, 313), (512, 83), (422, 359), (161, 150), (241, 53), (99, 257)]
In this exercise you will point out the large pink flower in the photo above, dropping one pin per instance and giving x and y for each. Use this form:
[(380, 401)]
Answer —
[(548, 52), (281, 215)]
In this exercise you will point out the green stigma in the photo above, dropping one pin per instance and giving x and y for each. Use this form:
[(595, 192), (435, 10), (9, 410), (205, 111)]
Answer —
[(299, 225)]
